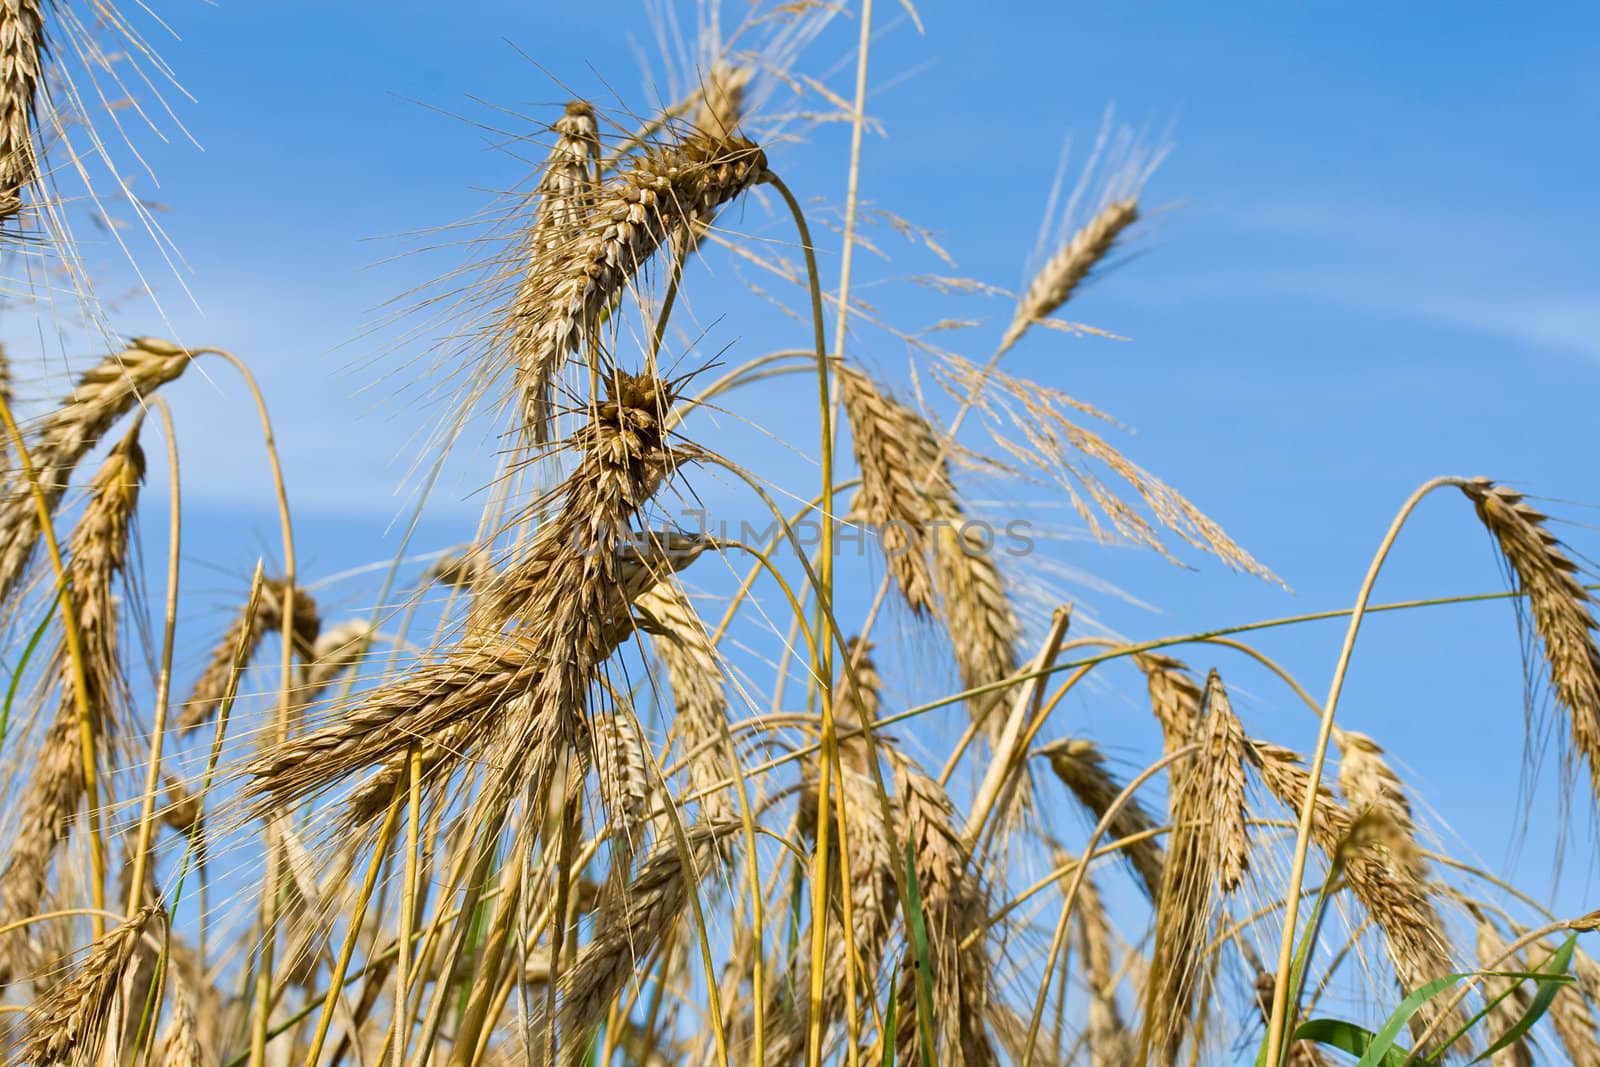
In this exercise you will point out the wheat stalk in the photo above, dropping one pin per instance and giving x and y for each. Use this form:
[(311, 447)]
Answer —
[(62, 773)]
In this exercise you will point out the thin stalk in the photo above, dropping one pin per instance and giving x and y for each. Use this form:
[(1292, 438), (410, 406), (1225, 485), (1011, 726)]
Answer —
[(80, 680), (158, 726), (1277, 1019), (1071, 894)]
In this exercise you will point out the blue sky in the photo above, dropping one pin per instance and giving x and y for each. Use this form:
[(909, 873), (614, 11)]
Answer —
[(1372, 264)]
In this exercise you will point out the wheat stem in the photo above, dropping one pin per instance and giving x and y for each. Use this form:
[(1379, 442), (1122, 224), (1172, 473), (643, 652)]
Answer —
[(80, 681), (158, 726), (1277, 1020)]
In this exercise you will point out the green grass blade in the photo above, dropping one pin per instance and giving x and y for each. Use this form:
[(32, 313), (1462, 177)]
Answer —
[(1377, 1053), (1554, 976), (917, 924), (1346, 1037), (22, 665)]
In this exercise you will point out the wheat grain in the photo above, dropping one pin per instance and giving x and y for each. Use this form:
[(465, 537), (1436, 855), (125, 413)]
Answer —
[(566, 195), (903, 492), (630, 926), (700, 708), (978, 613), (1111, 1043), (1503, 1012), (665, 191), (1174, 697)]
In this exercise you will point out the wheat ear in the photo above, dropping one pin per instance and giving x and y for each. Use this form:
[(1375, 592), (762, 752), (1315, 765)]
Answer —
[(1397, 900), (239, 643), (23, 52), (1208, 859), (65, 435), (98, 554), (1081, 768), (68, 1024), (955, 911), (1563, 613), (1053, 286)]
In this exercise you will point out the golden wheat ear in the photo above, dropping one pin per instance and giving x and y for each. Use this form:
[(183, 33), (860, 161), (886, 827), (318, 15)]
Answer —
[(64, 436), (1562, 610), (70, 1024), (1081, 768), (23, 51)]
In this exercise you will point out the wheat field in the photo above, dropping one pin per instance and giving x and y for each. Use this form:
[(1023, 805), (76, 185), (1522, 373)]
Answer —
[(616, 780)]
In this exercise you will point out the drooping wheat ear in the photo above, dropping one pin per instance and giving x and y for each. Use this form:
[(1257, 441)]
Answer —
[(565, 195), (1368, 783), (902, 492), (23, 51), (665, 191), (1111, 1044), (1503, 1015), (335, 651), (978, 613), (1563, 614), (68, 1024), (520, 692), (241, 640), (1396, 899), (1054, 285), (1174, 697), (620, 766), (1081, 768), (64, 436), (97, 555), (873, 900), (1570, 1015), (1209, 855), (699, 704), (954, 908), (629, 926)]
